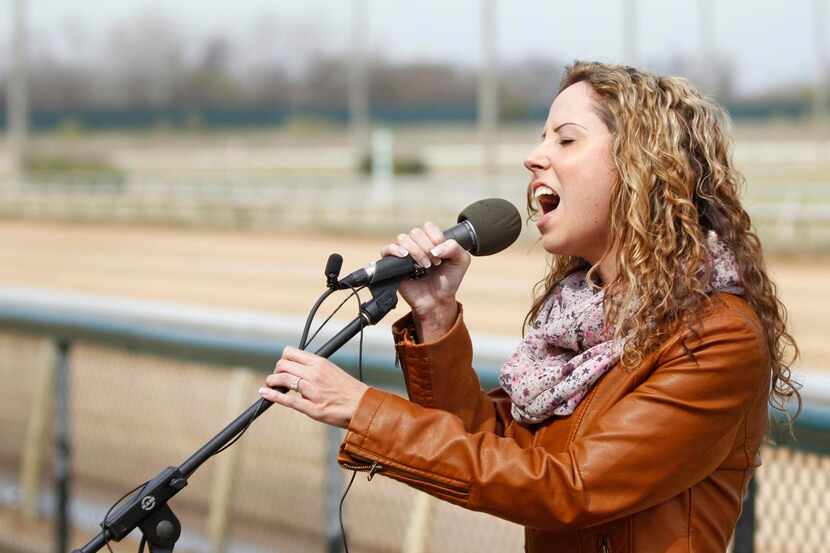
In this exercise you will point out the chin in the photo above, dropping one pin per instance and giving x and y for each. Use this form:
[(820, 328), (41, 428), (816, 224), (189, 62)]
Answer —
[(556, 245)]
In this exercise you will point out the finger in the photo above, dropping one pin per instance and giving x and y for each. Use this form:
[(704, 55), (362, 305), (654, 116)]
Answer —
[(435, 234), (294, 401), (449, 250), (287, 366), (420, 237), (299, 356), (417, 253), (284, 380), (394, 249)]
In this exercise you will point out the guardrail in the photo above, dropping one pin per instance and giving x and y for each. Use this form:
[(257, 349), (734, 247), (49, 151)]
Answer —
[(346, 203), (228, 338)]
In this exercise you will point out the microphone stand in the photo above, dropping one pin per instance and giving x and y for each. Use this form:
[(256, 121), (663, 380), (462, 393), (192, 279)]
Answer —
[(147, 508)]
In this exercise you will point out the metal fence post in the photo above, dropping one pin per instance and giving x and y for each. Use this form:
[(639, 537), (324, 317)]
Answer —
[(38, 429), (63, 447), (334, 488), (745, 530), (222, 489), (416, 539)]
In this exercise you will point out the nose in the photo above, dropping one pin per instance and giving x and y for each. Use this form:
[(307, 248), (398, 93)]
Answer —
[(537, 159)]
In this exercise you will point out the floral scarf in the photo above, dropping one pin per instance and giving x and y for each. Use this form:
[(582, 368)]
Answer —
[(566, 351)]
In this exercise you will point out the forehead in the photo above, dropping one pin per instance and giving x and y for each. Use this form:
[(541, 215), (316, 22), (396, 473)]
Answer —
[(575, 104)]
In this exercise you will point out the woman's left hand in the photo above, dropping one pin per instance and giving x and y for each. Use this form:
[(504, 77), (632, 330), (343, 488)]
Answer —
[(322, 390)]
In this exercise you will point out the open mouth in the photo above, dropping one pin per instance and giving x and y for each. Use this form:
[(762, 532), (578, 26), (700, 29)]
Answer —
[(548, 199)]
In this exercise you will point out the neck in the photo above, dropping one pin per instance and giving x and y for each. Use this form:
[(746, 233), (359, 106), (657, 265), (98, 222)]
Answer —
[(607, 269)]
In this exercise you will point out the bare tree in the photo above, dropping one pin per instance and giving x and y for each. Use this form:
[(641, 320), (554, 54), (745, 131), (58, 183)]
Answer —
[(148, 56)]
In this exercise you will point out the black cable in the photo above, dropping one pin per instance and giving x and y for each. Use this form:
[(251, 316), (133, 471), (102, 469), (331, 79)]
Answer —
[(319, 328), (239, 435), (342, 499), (114, 505), (359, 377), (303, 346), (311, 314)]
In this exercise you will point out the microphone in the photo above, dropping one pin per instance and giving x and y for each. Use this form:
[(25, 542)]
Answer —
[(484, 228), (332, 270)]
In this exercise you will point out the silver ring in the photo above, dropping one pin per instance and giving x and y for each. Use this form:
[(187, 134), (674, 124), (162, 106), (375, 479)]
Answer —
[(296, 386)]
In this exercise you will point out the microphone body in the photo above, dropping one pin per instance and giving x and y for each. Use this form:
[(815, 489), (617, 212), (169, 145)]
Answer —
[(391, 266), (484, 228)]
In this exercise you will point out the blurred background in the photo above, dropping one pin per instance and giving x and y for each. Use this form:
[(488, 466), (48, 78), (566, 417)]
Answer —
[(173, 177)]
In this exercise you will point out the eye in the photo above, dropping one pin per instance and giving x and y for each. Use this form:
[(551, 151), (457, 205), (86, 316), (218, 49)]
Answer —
[(565, 141)]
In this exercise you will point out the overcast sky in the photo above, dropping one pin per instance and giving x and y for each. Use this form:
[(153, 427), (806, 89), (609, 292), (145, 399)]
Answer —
[(773, 42)]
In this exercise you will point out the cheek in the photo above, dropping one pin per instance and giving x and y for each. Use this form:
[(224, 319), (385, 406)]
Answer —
[(589, 201)]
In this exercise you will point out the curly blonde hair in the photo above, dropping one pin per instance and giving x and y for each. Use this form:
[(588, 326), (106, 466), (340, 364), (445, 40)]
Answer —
[(675, 181)]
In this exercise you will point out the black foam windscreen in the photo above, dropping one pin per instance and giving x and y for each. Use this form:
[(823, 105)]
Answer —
[(333, 265), (497, 224)]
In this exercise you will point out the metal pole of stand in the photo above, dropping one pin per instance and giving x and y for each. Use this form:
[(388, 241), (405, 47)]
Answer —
[(147, 507)]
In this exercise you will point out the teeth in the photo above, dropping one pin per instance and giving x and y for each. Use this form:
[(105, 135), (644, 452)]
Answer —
[(543, 190)]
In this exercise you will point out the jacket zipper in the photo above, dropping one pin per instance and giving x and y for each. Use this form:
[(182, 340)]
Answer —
[(604, 544), (460, 492)]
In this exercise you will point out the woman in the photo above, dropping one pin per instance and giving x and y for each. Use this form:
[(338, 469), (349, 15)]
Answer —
[(631, 414)]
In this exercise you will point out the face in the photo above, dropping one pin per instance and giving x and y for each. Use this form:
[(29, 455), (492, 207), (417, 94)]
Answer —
[(573, 160)]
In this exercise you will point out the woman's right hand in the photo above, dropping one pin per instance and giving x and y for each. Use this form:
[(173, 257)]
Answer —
[(431, 297)]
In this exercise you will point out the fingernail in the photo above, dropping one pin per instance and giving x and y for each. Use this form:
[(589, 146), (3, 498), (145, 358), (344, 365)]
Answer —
[(437, 250), (262, 391), (438, 261), (401, 251)]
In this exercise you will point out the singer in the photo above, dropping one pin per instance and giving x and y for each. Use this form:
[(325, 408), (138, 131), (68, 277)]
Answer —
[(629, 417)]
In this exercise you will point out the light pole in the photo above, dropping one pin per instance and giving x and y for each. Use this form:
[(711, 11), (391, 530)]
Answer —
[(17, 97), (708, 50), (488, 98), (630, 46), (359, 81), (820, 97)]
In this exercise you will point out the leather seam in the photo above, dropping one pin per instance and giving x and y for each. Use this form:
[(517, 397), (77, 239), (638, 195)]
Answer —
[(689, 520), (578, 423), (427, 381), (762, 345), (717, 318), (383, 459), (363, 437)]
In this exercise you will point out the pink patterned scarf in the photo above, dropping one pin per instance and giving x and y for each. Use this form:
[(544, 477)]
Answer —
[(566, 350)]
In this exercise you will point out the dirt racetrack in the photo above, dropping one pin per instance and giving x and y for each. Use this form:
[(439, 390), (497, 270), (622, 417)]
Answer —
[(281, 273)]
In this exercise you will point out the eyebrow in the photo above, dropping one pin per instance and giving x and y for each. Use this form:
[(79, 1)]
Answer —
[(544, 133)]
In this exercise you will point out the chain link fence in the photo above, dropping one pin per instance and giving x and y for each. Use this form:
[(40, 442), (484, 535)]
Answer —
[(141, 398)]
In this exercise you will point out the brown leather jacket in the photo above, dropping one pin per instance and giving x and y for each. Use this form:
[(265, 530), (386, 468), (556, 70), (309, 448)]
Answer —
[(655, 459)]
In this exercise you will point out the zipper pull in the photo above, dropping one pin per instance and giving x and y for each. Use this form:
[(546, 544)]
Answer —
[(374, 469)]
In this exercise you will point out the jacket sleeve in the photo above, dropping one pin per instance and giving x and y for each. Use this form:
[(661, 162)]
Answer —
[(440, 375), (666, 435)]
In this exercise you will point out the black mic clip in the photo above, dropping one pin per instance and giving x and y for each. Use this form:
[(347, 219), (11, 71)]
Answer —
[(419, 272)]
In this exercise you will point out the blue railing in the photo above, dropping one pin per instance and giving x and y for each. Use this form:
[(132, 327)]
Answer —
[(203, 336)]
